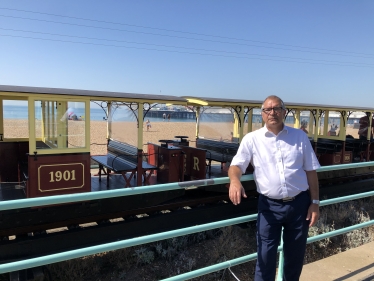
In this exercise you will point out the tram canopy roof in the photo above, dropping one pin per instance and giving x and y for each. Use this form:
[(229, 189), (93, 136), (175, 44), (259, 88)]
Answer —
[(191, 100), (328, 107), (227, 102), (218, 101), (94, 94)]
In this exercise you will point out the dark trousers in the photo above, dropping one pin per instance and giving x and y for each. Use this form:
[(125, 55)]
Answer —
[(272, 216)]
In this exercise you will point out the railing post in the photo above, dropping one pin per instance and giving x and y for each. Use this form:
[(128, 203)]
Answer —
[(281, 260)]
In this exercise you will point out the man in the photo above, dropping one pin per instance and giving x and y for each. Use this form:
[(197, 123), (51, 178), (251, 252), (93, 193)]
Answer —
[(363, 130), (286, 179), (303, 127)]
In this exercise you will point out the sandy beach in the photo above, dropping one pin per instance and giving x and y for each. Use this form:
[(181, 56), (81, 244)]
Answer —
[(127, 132)]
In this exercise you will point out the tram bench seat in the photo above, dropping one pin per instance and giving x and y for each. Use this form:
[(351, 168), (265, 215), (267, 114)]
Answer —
[(326, 146), (358, 148), (355, 145), (218, 151), (122, 158)]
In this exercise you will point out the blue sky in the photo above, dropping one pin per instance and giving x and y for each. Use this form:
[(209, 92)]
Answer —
[(303, 51)]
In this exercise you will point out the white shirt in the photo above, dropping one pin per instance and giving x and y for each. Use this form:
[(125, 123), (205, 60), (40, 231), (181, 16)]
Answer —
[(279, 161)]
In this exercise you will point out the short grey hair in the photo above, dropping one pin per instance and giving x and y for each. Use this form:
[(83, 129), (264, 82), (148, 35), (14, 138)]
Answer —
[(274, 97)]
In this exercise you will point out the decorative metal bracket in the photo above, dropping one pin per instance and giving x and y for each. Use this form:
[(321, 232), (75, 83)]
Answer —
[(343, 113), (103, 105), (146, 108), (247, 109), (288, 110), (314, 113), (237, 110)]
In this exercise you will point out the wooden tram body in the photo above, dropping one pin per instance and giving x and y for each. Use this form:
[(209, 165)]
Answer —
[(54, 157)]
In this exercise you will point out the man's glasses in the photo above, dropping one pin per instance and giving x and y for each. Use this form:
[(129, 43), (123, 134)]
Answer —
[(276, 110)]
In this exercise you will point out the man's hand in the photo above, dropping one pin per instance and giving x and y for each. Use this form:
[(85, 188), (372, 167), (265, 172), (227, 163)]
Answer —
[(236, 190), (313, 214)]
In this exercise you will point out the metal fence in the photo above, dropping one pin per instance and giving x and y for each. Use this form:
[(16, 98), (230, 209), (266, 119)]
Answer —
[(63, 256)]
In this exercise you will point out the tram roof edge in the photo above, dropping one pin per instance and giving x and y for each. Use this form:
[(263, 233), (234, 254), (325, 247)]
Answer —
[(219, 101), (89, 93), (329, 107), (153, 98)]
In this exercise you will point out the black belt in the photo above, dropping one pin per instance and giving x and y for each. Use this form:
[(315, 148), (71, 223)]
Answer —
[(286, 199)]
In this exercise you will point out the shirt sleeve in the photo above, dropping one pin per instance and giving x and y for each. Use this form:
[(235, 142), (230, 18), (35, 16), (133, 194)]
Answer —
[(244, 155), (310, 159)]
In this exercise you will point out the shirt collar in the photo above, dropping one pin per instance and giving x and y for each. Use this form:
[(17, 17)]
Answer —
[(266, 131)]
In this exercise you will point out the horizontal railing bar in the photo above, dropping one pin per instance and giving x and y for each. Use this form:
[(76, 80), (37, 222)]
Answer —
[(212, 268), (346, 198), (345, 166), (39, 261), (94, 195), (339, 231), (70, 198)]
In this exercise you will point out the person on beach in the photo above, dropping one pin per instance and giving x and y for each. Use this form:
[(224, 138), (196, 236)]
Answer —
[(164, 116), (148, 124), (332, 131), (168, 117), (285, 175), (69, 115), (304, 124)]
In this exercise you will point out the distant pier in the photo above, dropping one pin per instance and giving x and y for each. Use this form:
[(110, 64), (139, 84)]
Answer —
[(173, 114)]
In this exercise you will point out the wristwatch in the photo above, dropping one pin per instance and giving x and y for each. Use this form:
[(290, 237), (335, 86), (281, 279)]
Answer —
[(315, 202)]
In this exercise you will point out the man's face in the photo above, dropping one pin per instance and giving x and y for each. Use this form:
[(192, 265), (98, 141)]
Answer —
[(273, 114)]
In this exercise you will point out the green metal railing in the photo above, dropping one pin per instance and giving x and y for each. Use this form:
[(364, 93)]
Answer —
[(43, 260)]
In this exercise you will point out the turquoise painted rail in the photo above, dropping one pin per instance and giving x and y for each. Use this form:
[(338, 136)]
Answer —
[(49, 200)]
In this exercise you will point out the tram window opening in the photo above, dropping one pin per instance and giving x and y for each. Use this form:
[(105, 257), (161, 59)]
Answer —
[(60, 124), (306, 122), (254, 123), (289, 120), (333, 128), (220, 124), (15, 119)]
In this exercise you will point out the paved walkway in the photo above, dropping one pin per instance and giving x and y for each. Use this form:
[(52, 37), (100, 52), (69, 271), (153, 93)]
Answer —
[(356, 264)]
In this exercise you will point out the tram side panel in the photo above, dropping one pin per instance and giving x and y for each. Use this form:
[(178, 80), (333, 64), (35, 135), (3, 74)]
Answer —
[(194, 163), (169, 162), (58, 174)]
